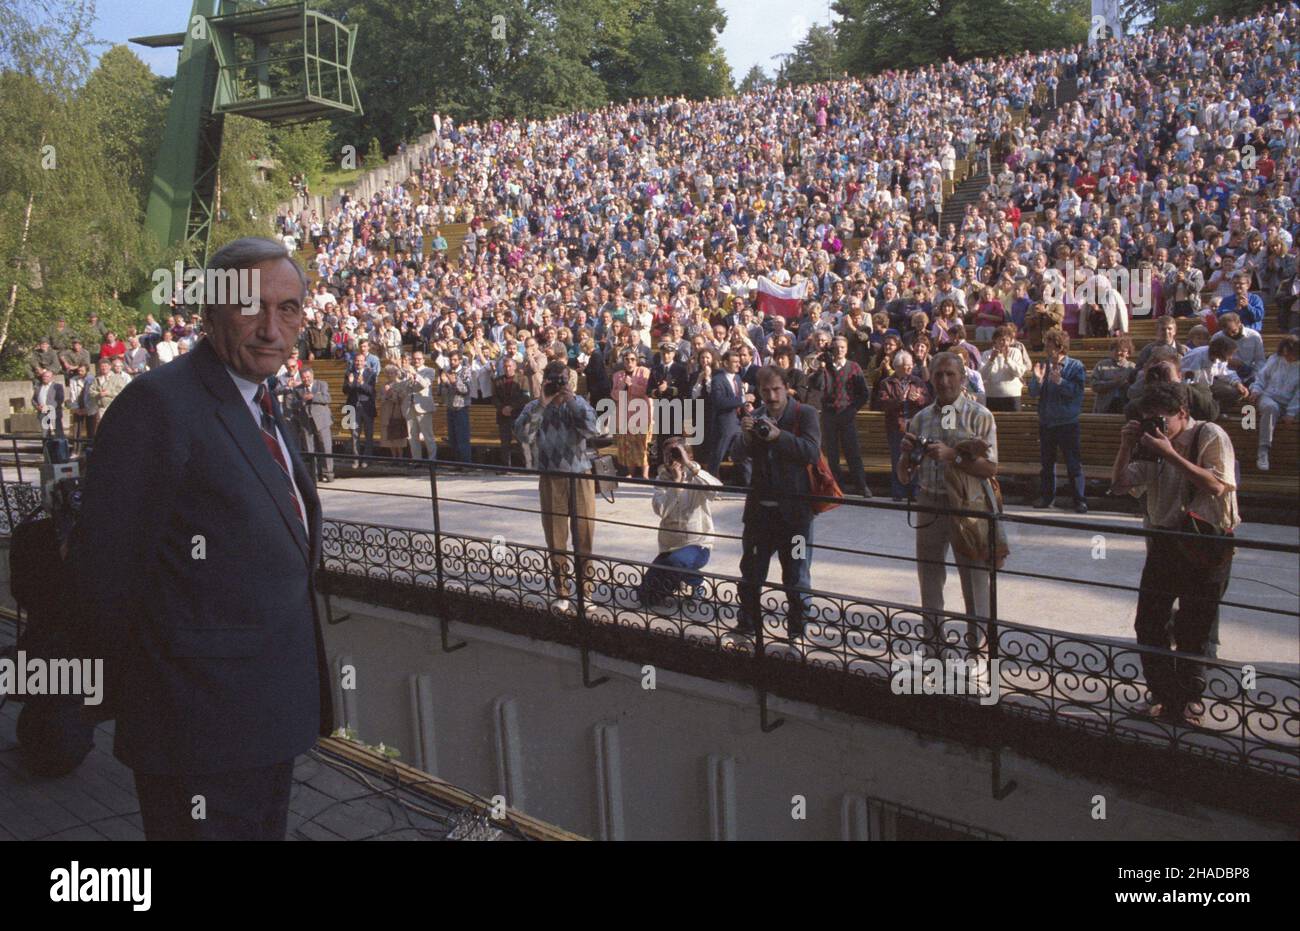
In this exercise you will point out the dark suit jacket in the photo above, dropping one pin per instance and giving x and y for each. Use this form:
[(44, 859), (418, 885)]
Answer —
[(724, 405), (677, 376), (360, 395), (781, 466), (55, 402), (213, 659)]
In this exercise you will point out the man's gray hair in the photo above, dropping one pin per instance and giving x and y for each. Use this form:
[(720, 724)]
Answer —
[(249, 251), (903, 356)]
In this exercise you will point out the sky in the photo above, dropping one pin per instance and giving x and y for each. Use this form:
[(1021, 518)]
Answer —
[(756, 29)]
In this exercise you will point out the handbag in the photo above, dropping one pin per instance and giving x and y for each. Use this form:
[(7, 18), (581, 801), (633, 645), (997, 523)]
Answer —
[(821, 480), (970, 535), (606, 473), (1213, 549)]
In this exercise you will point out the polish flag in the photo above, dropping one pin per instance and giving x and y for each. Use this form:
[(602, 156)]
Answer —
[(783, 302)]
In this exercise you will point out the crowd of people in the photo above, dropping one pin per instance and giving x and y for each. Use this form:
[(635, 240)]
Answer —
[(627, 254)]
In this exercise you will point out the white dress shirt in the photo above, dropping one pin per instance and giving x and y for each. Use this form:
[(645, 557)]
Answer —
[(248, 390)]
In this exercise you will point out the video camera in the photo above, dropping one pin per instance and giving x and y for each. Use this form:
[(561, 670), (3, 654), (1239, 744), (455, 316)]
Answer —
[(60, 485)]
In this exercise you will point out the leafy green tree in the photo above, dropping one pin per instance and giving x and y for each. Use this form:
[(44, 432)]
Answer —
[(876, 35), (814, 59), (1160, 13), (70, 224), (130, 110), (754, 79)]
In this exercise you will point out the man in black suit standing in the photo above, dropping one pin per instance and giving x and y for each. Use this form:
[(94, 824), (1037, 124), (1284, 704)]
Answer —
[(728, 400), (359, 416), (316, 422), (207, 621), (48, 401)]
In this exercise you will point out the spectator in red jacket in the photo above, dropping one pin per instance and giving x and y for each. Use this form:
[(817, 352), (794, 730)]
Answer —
[(112, 346)]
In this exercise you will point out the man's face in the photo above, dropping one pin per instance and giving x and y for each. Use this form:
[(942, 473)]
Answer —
[(774, 395), (841, 349), (510, 367), (1231, 327), (117, 365), (256, 345), (731, 363), (947, 379), (103, 367), (46, 376), (308, 378)]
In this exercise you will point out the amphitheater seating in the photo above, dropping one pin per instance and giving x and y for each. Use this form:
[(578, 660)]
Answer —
[(1017, 441)]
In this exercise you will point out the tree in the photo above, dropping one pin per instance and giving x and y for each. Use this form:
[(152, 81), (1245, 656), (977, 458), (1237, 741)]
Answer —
[(1161, 13), (71, 227), (877, 35), (755, 79), (130, 110), (493, 59), (814, 59)]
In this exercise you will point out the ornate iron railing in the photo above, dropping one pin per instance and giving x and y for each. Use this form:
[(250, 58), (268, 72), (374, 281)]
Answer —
[(1092, 684)]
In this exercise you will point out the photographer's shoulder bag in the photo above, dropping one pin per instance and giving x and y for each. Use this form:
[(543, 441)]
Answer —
[(1213, 549), (821, 480), (970, 535)]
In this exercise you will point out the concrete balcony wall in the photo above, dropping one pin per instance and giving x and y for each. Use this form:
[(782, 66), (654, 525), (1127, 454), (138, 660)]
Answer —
[(509, 715)]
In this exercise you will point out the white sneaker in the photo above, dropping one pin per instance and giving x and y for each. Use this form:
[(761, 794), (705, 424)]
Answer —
[(1261, 461)]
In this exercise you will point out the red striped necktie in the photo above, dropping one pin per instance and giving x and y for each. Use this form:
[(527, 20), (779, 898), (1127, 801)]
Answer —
[(272, 441)]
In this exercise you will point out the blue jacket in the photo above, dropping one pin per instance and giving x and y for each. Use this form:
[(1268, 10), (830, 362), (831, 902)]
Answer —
[(1252, 315), (1060, 404)]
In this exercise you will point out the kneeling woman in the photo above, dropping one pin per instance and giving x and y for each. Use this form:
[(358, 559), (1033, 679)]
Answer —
[(685, 524)]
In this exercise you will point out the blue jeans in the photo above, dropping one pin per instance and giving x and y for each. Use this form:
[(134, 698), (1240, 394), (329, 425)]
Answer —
[(659, 582), (762, 538), (1065, 436), (458, 433)]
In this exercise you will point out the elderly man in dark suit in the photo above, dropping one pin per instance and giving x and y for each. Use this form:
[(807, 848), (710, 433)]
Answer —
[(783, 438), (315, 422), (48, 401), (195, 552)]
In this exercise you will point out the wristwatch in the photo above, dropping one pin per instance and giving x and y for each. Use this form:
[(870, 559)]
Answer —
[(959, 460)]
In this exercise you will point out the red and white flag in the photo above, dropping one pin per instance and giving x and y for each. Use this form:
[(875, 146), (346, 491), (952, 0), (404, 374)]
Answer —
[(784, 302)]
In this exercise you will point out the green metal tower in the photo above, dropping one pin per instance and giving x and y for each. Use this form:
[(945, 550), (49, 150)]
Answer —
[(282, 64)]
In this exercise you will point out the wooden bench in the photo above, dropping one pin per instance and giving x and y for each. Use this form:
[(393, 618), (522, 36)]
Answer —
[(1018, 444)]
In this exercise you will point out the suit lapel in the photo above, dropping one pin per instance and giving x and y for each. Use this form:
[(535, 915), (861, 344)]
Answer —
[(238, 421)]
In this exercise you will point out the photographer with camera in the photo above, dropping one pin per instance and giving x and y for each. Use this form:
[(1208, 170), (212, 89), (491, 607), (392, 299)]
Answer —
[(685, 524), (928, 451), (783, 438), (1186, 469), (557, 427)]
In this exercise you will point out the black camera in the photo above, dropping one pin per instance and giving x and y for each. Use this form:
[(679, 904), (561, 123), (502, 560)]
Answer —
[(919, 448), (1153, 425), (764, 426)]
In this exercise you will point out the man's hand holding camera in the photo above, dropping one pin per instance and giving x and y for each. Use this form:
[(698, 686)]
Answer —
[(761, 426), (1149, 437)]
